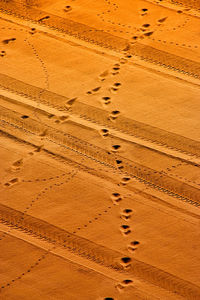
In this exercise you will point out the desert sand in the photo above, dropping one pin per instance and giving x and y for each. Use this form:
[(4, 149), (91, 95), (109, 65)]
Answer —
[(100, 149)]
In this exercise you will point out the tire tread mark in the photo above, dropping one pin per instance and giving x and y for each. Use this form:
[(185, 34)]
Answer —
[(152, 178), (97, 253), (106, 40)]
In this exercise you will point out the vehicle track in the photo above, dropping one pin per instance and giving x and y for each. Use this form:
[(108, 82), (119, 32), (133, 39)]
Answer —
[(176, 4), (97, 253), (152, 178), (70, 257), (106, 40), (56, 137), (100, 173), (100, 117), (187, 3)]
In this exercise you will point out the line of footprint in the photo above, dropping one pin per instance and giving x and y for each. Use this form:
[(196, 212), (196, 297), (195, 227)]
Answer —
[(139, 32), (116, 197)]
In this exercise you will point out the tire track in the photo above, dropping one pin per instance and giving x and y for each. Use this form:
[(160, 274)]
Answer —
[(100, 117), (99, 254), (39, 95), (93, 171), (150, 177), (98, 37)]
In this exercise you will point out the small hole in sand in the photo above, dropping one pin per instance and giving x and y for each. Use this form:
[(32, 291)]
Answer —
[(24, 117)]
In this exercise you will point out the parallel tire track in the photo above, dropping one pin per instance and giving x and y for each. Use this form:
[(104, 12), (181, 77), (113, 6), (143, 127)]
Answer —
[(100, 117), (154, 179), (97, 253), (103, 39)]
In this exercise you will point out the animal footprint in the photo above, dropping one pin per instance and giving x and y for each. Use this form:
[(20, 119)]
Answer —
[(50, 116), (125, 262), (116, 198), (116, 67), (115, 87), (115, 148), (115, 73), (2, 53), (127, 48), (103, 75), (119, 164), (44, 18), (94, 91), (126, 214), (24, 117), (17, 164), (104, 132), (70, 102), (7, 41), (123, 61), (32, 31), (106, 100), (148, 33), (162, 20), (63, 118), (133, 246), (114, 114), (144, 11), (125, 229), (12, 182), (146, 25), (67, 8), (43, 133), (125, 180), (125, 283)]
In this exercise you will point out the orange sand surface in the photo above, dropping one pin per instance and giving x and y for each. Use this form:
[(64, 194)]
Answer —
[(99, 149)]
